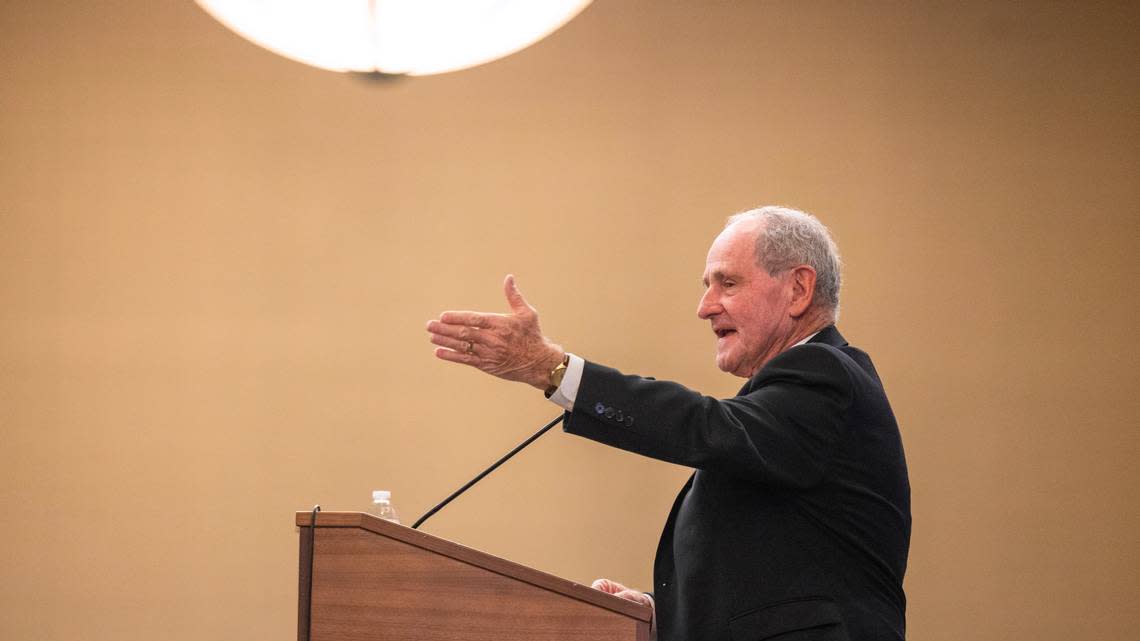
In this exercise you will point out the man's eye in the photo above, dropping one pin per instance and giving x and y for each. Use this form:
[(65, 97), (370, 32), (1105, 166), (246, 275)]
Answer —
[(728, 283)]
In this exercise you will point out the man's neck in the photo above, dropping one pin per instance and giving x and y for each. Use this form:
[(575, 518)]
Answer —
[(800, 332), (807, 329)]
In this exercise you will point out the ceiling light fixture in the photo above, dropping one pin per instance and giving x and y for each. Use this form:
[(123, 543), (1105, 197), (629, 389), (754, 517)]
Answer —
[(394, 37)]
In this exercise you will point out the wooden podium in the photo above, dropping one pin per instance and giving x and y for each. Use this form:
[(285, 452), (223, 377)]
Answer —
[(373, 580)]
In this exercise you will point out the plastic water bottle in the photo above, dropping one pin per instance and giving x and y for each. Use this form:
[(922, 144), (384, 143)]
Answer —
[(382, 506)]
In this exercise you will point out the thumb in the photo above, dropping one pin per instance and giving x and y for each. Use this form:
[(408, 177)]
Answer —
[(514, 296)]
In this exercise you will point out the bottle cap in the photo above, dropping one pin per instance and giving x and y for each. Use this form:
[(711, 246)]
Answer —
[(381, 495)]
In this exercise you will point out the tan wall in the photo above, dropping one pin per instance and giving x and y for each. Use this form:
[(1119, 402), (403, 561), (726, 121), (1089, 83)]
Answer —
[(216, 264)]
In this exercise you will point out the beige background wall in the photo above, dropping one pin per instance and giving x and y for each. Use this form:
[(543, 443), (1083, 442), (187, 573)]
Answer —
[(216, 264)]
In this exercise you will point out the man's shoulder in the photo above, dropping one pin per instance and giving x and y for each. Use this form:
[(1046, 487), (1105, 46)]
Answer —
[(810, 355), (827, 354), (829, 358), (807, 362)]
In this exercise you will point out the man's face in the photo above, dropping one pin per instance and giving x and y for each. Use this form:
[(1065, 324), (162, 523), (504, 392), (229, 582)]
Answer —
[(748, 309)]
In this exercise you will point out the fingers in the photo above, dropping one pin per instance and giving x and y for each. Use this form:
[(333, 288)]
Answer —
[(456, 356), (457, 331), (514, 296), (608, 586), (462, 338), (466, 347), (478, 320), (635, 596), (620, 591)]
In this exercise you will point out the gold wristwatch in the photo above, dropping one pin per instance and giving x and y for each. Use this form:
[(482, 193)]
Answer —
[(556, 375)]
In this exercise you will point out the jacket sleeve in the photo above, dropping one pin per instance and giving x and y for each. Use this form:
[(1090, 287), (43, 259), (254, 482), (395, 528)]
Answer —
[(782, 430)]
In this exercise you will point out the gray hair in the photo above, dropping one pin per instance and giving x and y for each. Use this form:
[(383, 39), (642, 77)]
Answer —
[(789, 237)]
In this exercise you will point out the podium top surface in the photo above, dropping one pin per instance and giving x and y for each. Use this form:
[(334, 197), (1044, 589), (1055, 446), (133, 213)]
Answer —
[(479, 559)]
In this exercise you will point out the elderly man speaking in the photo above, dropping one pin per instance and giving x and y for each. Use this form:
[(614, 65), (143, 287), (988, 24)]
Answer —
[(796, 523)]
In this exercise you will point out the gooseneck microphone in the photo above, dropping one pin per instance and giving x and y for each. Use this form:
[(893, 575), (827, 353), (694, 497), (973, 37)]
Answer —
[(494, 466)]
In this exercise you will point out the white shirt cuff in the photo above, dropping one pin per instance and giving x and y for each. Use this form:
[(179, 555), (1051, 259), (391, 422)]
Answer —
[(568, 391)]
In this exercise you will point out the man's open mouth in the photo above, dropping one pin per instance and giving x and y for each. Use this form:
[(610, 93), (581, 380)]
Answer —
[(721, 333)]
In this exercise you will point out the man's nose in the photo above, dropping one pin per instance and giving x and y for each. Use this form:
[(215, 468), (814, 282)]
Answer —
[(708, 305)]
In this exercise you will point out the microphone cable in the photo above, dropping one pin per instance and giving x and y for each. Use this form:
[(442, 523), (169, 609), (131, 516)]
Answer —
[(494, 466)]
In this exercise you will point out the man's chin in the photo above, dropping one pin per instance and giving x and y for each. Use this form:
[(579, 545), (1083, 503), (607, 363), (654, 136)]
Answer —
[(725, 364)]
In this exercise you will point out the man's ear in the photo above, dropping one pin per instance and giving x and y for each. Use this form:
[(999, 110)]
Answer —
[(803, 289)]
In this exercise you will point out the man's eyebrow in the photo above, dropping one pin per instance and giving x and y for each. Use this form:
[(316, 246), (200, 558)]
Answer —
[(717, 275)]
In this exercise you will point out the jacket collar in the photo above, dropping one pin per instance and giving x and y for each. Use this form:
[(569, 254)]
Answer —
[(829, 336)]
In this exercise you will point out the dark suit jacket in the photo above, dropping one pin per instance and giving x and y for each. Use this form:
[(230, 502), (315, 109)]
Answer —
[(796, 523)]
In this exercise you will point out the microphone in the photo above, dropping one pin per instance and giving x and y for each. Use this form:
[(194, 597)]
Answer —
[(494, 466)]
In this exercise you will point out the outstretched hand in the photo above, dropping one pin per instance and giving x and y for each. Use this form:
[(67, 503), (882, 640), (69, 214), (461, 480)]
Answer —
[(619, 590), (510, 346)]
